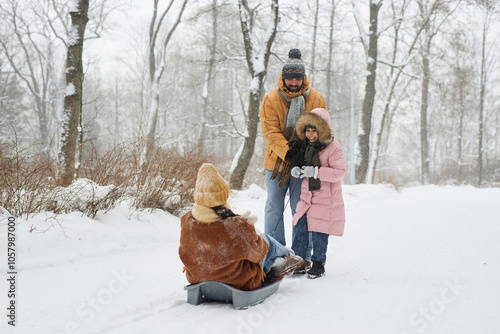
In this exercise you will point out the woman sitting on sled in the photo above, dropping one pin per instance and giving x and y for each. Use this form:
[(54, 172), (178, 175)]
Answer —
[(218, 245)]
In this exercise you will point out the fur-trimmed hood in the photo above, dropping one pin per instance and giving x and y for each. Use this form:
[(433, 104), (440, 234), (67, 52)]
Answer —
[(320, 119)]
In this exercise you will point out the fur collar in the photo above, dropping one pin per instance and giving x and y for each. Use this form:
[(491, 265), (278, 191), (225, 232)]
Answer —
[(206, 215)]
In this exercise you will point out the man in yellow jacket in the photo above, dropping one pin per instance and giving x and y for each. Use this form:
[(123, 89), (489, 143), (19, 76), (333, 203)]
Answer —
[(279, 112)]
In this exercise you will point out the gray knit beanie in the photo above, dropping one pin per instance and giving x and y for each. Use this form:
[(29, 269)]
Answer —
[(294, 66)]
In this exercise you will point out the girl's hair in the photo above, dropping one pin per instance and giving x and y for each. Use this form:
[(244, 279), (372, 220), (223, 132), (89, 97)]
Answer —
[(223, 212)]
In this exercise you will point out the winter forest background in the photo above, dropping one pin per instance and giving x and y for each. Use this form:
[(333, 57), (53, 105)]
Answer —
[(171, 84)]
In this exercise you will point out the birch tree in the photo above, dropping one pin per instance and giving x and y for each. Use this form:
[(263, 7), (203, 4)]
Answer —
[(208, 75), (157, 57), (257, 66), (314, 43)]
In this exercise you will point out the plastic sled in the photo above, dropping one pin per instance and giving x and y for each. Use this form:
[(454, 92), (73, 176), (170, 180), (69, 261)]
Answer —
[(216, 291)]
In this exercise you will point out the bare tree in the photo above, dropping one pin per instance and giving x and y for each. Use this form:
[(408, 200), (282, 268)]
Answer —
[(208, 75), (395, 70), (38, 32), (157, 58), (329, 70), (74, 90), (431, 23), (487, 6), (314, 42), (257, 66), (11, 101), (370, 44), (462, 63), (29, 49)]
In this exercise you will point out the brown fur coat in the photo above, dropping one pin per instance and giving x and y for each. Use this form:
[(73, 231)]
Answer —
[(227, 251)]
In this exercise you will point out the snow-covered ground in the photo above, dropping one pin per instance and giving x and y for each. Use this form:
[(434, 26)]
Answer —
[(418, 260)]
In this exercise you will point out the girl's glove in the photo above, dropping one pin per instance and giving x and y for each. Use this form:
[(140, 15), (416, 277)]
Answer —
[(296, 172), (308, 171)]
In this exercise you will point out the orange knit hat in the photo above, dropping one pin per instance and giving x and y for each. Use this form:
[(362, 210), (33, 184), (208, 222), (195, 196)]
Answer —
[(211, 190)]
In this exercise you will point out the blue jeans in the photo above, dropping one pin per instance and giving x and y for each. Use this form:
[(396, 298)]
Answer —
[(309, 246), (275, 205), (275, 250), (301, 242)]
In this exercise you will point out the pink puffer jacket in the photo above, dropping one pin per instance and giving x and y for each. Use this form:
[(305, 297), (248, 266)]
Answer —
[(325, 207)]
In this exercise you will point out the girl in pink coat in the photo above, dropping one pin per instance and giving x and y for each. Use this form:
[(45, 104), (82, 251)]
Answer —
[(321, 206)]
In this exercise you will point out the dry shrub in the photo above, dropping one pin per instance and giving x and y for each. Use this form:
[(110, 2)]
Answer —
[(116, 166), (169, 180), (391, 176), (167, 183), (26, 182)]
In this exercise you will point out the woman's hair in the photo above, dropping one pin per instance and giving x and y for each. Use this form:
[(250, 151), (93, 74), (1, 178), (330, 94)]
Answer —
[(223, 212)]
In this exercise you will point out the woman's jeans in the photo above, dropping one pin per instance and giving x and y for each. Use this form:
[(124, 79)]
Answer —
[(301, 241), (275, 250), (275, 207)]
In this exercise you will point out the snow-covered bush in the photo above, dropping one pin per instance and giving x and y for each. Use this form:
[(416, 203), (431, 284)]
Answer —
[(28, 184), (86, 196), (169, 181)]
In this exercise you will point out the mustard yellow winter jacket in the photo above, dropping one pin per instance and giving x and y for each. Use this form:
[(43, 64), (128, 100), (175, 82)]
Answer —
[(272, 118)]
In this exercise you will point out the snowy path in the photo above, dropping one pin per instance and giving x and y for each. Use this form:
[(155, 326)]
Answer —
[(423, 260)]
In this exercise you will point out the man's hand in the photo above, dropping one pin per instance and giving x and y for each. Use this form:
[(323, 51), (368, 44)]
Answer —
[(296, 172), (293, 151)]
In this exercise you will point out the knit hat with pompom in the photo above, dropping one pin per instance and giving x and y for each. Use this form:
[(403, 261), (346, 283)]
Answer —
[(211, 190), (294, 66)]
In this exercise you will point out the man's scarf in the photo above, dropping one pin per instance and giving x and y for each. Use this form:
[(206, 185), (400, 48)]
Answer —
[(295, 107)]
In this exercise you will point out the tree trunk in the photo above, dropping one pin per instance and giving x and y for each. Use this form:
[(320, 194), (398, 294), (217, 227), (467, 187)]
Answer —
[(257, 66), (43, 126), (481, 101), (460, 176), (368, 102), (329, 70), (378, 139), (238, 174), (424, 140), (156, 73), (313, 53), (208, 77), (431, 27), (117, 136), (73, 97)]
